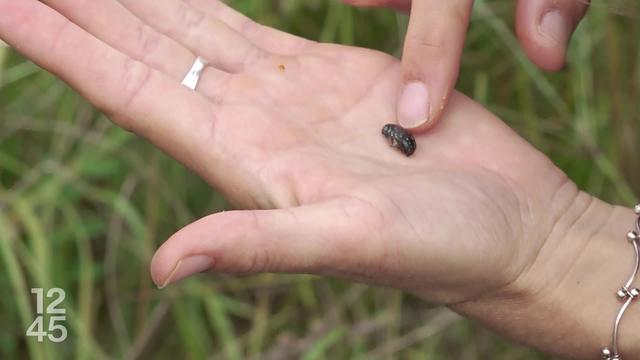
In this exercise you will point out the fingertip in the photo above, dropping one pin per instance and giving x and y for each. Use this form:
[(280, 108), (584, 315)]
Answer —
[(426, 126), (169, 265), (545, 40), (167, 258), (545, 27), (414, 107), (184, 268), (161, 267), (413, 120), (432, 52)]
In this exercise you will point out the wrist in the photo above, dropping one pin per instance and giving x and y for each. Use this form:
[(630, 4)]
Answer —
[(565, 302)]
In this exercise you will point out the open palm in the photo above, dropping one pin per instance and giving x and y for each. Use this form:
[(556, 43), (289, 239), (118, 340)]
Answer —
[(292, 127)]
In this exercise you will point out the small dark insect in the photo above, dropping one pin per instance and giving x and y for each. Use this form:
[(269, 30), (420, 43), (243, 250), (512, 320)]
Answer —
[(400, 138)]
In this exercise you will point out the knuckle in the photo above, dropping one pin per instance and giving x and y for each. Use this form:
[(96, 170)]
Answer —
[(252, 55), (430, 45), (243, 221), (135, 77), (258, 262), (246, 225), (444, 35), (189, 17), (248, 27), (59, 36), (147, 40)]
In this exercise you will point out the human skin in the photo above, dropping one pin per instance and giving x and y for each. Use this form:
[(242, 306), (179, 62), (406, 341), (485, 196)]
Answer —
[(289, 129), (435, 40)]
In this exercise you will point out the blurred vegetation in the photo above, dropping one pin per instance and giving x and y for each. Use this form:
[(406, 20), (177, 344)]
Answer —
[(83, 204)]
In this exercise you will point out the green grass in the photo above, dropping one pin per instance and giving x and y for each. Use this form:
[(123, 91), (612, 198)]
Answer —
[(83, 205)]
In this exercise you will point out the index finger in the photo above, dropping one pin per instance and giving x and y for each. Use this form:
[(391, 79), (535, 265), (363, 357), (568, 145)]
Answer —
[(431, 59)]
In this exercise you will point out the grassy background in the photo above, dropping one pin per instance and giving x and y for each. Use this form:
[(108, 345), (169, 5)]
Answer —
[(83, 205)]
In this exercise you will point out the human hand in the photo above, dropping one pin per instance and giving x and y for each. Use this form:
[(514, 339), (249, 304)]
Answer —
[(281, 123), (435, 39), (476, 219)]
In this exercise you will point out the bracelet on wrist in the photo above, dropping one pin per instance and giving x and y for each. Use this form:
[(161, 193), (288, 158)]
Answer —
[(627, 294)]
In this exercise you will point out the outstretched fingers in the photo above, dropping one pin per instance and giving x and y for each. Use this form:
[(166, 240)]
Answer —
[(109, 79), (269, 39), (328, 238), (110, 22), (205, 36), (113, 24)]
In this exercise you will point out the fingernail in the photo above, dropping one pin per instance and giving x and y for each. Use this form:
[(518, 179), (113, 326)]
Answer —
[(413, 105), (554, 27), (186, 267)]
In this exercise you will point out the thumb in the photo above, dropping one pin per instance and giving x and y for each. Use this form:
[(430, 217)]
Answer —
[(431, 59), (545, 28), (322, 239)]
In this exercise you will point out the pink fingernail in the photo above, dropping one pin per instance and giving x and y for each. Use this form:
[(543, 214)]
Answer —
[(186, 267), (554, 28), (413, 105)]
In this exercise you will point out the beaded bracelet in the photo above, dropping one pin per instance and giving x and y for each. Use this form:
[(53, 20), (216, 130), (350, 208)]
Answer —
[(627, 294)]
